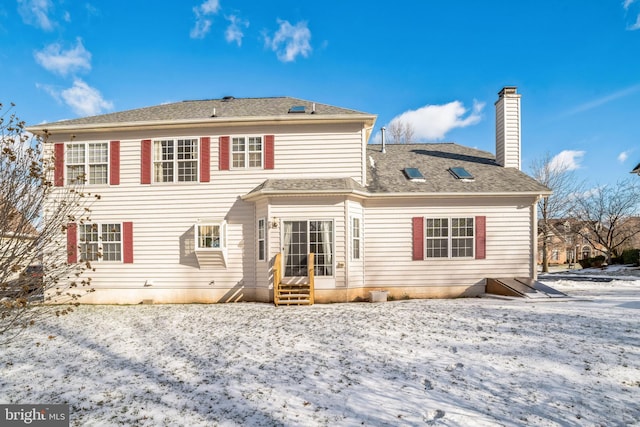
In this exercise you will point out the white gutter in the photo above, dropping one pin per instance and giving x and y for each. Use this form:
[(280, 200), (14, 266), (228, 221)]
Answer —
[(368, 195), (206, 122)]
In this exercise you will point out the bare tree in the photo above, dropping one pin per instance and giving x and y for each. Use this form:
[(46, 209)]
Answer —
[(605, 214), (408, 133), (559, 178), (401, 132), (33, 224)]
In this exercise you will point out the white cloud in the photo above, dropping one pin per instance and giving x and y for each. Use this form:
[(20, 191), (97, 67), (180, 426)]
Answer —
[(290, 41), (203, 24), (85, 100), (567, 160), (622, 157), (627, 3), (36, 13), (636, 25), (433, 122), (604, 100), (63, 62), (234, 30)]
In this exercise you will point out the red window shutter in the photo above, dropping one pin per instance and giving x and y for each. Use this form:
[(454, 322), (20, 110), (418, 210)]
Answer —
[(145, 162), (223, 161), (58, 165), (205, 159), (127, 242), (114, 163), (481, 237), (268, 151), (418, 238), (72, 243)]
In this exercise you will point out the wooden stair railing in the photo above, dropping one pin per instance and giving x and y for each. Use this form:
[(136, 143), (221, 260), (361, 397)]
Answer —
[(292, 294)]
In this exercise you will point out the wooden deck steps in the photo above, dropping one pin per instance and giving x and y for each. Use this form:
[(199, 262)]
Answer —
[(298, 294), (294, 293)]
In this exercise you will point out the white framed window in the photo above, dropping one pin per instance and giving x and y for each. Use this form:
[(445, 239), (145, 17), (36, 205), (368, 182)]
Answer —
[(87, 163), (175, 160), (262, 239), (246, 151), (356, 233), (211, 235), (100, 241), (449, 237)]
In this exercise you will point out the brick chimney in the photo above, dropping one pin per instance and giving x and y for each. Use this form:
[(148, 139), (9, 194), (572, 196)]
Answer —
[(508, 128)]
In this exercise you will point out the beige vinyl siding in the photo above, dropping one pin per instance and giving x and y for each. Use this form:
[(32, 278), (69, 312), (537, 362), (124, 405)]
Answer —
[(164, 214), (355, 267), (315, 208), (389, 261), (508, 132)]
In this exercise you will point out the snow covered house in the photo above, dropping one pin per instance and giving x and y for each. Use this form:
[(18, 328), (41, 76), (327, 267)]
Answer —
[(220, 200)]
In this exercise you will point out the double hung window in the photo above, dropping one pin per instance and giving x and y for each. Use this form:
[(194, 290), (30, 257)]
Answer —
[(100, 242), (246, 152), (449, 237), (262, 233), (87, 163), (175, 160), (355, 238)]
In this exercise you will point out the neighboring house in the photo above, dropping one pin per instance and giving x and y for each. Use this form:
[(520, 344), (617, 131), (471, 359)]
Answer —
[(636, 169), (198, 198), (17, 237), (566, 244)]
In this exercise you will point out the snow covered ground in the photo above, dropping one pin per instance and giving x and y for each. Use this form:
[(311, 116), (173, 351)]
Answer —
[(463, 362)]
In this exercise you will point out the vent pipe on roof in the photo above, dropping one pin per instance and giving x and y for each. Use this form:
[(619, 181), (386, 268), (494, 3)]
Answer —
[(313, 108), (382, 131), (213, 114)]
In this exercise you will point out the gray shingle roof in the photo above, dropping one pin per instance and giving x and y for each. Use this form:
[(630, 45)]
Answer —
[(636, 169), (385, 170), (224, 108), (322, 185)]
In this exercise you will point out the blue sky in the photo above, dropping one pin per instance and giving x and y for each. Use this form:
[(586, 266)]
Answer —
[(576, 64)]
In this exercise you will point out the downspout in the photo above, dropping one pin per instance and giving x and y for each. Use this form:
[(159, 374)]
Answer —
[(347, 247), (534, 238)]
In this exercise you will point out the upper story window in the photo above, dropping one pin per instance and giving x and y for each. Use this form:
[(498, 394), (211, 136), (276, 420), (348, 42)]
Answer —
[(175, 160), (246, 151), (87, 163)]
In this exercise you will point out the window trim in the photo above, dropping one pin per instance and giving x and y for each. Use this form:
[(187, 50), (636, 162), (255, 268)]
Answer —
[(176, 161), (247, 152), (450, 237), (222, 236), (100, 242), (261, 237), (86, 164), (356, 240)]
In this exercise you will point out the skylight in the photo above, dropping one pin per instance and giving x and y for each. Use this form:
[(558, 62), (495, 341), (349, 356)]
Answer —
[(461, 173), (414, 174), (297, 109)]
